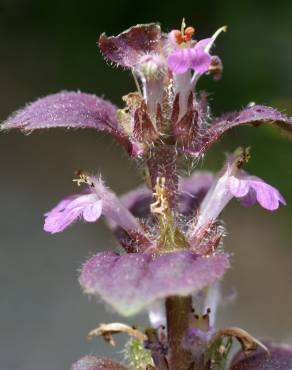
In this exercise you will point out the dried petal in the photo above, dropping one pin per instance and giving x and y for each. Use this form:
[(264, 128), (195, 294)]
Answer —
[(278, 358), (107, 330), (247, 341), (127, 48), (94, 363), (132, 282)]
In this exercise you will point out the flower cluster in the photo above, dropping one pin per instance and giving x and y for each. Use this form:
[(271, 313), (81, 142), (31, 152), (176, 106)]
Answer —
[(172, 256)]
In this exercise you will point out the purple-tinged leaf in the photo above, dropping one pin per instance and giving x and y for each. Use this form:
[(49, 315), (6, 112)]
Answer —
[(94, 363), (65, 109), (127, 48), (132, 282), (254, 115), (70, 110), (278, 358)]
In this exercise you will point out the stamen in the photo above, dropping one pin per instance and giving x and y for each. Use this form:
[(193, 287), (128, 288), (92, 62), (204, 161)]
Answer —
[(185, 34), (189, 32), (243, 155), (82, 179)]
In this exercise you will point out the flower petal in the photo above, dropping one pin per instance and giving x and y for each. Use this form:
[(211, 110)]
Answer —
[(132, 282), (249, 199), (68, 109), (94, 363), (255, 115), (113, 208), (238, 187), (92, 212), (179, 61), (278, 358), (68, 211), (202, 44), (267, 196), (200, 60), (126, 48)]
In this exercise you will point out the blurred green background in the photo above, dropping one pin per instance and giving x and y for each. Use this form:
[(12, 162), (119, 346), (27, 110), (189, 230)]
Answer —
[(47, 46)]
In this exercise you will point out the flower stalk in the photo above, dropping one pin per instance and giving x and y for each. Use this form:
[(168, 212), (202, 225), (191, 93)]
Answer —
[(171, 258), (178, 310)]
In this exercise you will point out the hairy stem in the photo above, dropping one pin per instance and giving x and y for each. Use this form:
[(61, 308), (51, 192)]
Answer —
[(177, 314)]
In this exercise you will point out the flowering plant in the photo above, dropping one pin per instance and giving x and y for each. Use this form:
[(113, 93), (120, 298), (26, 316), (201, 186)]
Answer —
[(172, 257)]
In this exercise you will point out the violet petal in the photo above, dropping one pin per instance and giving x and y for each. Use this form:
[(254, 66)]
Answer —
[(127, 48), (94, 363), (279, 358), (179, 61), (132, 282), (255, 115), (200, 60), (238, 187), (70, 209), (267, 196)]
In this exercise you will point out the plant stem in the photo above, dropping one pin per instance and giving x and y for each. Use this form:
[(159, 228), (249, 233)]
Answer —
[(177, 315)]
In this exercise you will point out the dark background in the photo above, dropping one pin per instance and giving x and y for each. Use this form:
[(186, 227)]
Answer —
[(47, 46)]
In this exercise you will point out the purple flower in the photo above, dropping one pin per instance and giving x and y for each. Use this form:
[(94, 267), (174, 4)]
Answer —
[(90, 205), (234, 182), (187, 56), (252, 189), (195, 57)]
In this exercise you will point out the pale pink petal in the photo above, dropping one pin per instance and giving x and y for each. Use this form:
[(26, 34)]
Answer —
[(238, 187), (179, 61), (92, 211), (200, 60), (267, 196)]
